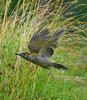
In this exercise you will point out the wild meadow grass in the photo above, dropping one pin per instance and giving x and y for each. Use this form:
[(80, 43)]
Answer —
[(22, 80)]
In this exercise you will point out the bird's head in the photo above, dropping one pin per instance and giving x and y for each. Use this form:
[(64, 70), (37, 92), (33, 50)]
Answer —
[(24, 55)]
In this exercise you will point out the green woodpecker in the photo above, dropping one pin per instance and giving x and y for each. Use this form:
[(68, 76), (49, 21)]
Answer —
[(43, 45)]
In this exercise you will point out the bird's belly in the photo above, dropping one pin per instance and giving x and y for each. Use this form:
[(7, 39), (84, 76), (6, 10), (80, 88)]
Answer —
[(43, 62)]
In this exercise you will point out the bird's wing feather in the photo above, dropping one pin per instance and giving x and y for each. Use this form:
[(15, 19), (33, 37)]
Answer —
[(45, 52), (40, 34), (38, 39), (48, 49)]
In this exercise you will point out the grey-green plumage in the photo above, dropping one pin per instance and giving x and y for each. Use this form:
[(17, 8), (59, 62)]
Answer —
[(44, 45), (38, 40), (41, 61)]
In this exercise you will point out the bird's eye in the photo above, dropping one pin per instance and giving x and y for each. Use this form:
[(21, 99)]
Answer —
[(24, 53)]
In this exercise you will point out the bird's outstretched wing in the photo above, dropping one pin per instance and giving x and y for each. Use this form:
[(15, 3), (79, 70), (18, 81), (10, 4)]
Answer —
[(39, 35), (38, 40), (48, 49)]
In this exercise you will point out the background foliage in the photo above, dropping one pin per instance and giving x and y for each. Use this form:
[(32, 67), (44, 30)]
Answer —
[(20, 79)]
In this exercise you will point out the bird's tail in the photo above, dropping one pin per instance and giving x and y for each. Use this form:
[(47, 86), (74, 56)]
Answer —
[(59, 66)]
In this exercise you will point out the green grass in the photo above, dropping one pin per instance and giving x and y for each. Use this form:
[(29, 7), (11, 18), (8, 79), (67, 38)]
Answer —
[(30, 83)]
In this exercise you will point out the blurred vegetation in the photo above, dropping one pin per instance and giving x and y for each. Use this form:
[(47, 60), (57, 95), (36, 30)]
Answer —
[(79, 7), (22, 80)]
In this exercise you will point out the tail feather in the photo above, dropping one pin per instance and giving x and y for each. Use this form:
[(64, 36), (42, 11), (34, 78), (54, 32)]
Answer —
[(59, 66)]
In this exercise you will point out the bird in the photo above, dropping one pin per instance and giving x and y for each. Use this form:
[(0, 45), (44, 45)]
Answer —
[(42, 46)]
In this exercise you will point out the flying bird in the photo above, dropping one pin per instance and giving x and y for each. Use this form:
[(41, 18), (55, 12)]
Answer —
[(43, 45)]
